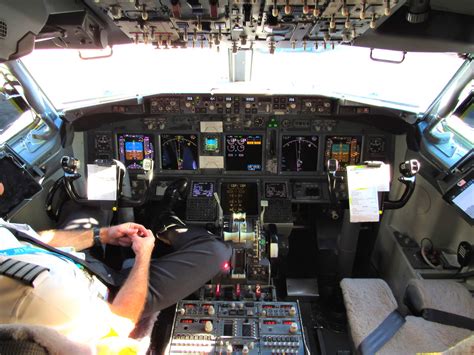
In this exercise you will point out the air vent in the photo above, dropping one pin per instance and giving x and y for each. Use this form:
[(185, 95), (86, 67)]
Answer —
[(3, 29)]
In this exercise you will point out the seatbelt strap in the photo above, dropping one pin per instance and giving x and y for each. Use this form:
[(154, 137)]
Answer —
[(446, 318), (382, 334), (109, 282)]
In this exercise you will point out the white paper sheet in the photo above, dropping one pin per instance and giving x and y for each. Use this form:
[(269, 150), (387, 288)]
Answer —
[(211, 162), (101, 182), (363, 184), (211, 126)]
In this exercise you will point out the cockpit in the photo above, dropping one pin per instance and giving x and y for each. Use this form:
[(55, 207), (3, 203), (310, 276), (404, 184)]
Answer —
[(327, 144)]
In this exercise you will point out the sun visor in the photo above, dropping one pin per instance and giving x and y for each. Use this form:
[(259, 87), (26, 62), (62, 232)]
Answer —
[(26, 25), (20, 22)]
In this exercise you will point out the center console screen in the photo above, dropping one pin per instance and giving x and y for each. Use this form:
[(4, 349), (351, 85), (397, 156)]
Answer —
[(299, 153), (202, 189), (133, 149), (179, 152), (243, 152), (346, 149), (239, 197)]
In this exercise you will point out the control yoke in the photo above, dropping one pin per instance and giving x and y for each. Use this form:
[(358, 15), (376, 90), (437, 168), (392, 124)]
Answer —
[(408, 169), (70, 166)]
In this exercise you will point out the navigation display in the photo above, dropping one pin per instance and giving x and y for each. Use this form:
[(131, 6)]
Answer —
[(243, 152), (346, 149), (239, 197), (202, 189), (133, 149), (299, 153), (462, 196), (276, 190), (179, 152)]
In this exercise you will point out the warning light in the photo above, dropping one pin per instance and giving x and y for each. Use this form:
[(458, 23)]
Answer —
[(226, 266)]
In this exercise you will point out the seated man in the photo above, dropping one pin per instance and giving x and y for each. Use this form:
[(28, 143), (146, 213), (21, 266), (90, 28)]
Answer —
[(76, 304)]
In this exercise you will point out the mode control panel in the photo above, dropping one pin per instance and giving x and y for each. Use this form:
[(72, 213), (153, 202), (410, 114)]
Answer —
[(216, 327)]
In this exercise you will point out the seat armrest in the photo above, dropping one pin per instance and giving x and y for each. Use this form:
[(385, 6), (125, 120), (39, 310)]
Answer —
[(442, 295)]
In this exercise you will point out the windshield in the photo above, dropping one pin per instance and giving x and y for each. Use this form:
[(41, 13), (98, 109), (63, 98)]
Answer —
[(344, 72)]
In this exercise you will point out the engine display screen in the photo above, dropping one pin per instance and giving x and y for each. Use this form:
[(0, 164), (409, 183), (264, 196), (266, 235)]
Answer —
[(202, 189), (179, 152), (299, 153), (133, 149), (346, 149), (211, 144), (239, 197), (243, 152), (276, 190)]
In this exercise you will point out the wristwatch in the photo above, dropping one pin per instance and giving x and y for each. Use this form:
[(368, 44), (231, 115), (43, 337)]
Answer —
[(96, 235)]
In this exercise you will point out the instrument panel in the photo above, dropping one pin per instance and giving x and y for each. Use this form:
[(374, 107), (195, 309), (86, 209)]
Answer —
[(283, 141)]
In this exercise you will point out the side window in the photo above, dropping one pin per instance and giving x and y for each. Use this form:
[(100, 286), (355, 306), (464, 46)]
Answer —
[(15, 114), (453, 135)]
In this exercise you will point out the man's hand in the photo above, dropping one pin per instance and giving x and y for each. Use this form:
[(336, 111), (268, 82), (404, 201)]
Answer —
[(143, 245), (122, 234)]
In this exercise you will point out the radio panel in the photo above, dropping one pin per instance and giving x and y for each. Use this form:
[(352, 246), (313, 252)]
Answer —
[(221, 327)]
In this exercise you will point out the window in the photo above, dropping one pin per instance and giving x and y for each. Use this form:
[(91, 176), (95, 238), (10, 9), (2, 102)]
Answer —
[(455, 132), (14, 112), (345, 72)]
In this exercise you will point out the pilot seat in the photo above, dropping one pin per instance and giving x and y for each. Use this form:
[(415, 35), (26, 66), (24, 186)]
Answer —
[(376, 325)]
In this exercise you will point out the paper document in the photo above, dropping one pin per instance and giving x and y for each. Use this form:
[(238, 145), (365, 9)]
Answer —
[(363, 183), (212, 126), (101, 182)]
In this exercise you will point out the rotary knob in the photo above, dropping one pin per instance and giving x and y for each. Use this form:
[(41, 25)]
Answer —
[(211, 310), (292, 311), (293, 328), (208, 327)]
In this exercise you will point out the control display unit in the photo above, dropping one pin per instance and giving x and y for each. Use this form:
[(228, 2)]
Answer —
[(202, 189), (133, 149), (238, 197), (276, 190), (345, 149), (243, 152), (179, 152), (299, 153), (462, 196)]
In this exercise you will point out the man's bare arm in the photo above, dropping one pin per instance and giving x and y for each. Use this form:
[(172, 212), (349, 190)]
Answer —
[(130, 300), (82, 239)]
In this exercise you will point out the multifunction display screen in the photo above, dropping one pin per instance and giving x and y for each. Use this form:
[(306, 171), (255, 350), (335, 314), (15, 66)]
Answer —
[(345, 149), (202, 189), (276, 190), (239, 197), (243, 152), (133, 149), (179, 152), (299, 153)]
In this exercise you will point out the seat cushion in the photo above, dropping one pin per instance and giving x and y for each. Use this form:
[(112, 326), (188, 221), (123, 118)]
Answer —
[(368, 302)]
